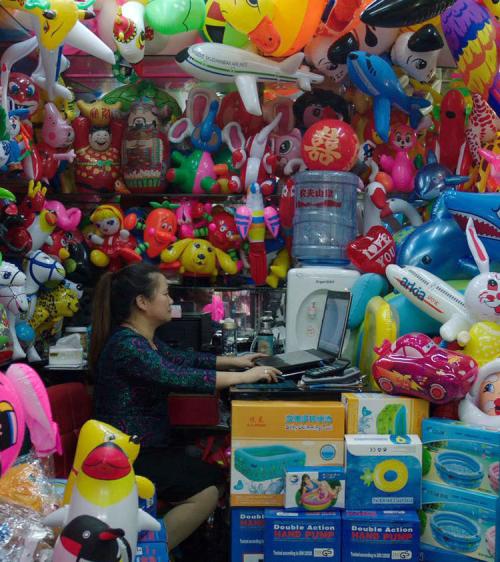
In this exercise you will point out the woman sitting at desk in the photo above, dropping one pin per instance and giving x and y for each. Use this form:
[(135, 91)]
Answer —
[(134, 372)]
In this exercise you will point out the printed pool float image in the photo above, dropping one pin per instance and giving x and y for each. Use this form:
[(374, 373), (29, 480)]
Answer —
[(315, 500), (490, 540), (267, 462), (392, 420), (388, 476), (455, 531), (494, 475), (459, 469)]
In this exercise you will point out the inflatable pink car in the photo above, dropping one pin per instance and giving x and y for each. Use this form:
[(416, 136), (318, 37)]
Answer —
[(415, 366)]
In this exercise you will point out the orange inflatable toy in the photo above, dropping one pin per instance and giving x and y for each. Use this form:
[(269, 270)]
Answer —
[(278, 28)]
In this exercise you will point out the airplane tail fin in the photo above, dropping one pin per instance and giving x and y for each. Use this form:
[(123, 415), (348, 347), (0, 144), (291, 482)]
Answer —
[(415, 114), (291, 64), (304, 84)]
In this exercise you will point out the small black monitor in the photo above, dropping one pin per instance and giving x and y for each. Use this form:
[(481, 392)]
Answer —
[(334, 324), (192, 331)]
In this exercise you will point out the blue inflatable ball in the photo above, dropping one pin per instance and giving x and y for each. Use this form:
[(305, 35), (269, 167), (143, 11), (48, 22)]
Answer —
[(25, 333)]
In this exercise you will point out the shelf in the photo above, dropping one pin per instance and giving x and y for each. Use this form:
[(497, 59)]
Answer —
[(153, 66), (19, 189)]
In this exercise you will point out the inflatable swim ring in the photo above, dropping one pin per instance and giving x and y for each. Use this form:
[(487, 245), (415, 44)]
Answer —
[(382, 476), (313, 502)]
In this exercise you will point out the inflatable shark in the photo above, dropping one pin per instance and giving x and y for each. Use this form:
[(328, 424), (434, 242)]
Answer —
[(484, 210), (374, 76)]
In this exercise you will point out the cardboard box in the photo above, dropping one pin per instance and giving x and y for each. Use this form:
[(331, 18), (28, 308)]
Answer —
[(152, 551), (65, 357), (383, 471), (268, 437), (154, 536), (433, 554), (461, 455), (302, 536), (375, 413), (315, 488), (462, 521), (380, 535), (247, 534)]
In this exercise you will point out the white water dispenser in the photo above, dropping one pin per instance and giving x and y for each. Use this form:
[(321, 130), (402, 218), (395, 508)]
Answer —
[(305, 300)]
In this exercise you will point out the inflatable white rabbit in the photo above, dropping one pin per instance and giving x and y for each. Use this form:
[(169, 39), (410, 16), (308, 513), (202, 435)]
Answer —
[(482, 296)]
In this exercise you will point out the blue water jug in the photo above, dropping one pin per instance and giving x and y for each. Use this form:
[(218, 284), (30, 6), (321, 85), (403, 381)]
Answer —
[(325, 216)]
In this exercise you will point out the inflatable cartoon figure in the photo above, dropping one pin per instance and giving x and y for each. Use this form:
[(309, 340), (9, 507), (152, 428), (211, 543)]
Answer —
[(278, 28), (105, 488), (401, 167), (97, 144), (159, 228), (417, 53), (114, 247), (481, 406), (195, 257), (144, 149), (57, 137), (94, 433), (223, 234), (252, 220), (254, 157), (52, 307)]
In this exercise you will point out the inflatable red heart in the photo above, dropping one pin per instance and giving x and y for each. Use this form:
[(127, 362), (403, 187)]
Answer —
[(373, 252)]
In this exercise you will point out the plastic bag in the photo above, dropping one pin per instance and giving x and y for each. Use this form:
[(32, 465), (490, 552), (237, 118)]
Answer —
[(23, 536), (28, 483)]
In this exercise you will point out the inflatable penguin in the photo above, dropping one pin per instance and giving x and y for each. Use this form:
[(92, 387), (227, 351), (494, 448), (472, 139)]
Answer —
[(94, 433), (88, 539), (105, 489)]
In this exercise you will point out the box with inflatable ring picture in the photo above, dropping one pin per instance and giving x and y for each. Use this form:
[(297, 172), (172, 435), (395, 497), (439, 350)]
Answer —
[(460, 521), (461, 455), (383, 471), (268, 437)]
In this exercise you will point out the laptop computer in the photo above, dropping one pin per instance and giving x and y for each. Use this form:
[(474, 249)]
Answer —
[(330, 342)]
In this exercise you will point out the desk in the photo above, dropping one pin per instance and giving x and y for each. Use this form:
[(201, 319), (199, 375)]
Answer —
[(260, 392)]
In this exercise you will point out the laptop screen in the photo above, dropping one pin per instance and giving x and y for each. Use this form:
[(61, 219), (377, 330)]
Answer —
[(334, 325)]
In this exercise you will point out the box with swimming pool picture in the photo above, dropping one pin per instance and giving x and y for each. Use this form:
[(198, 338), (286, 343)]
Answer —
[(461, 455), (383, 471), (315, 488), (460, 521), (376, 413), (268, 437)]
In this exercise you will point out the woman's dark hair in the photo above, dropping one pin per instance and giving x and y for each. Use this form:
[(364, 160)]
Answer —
[(303, 482), (114, 297)]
